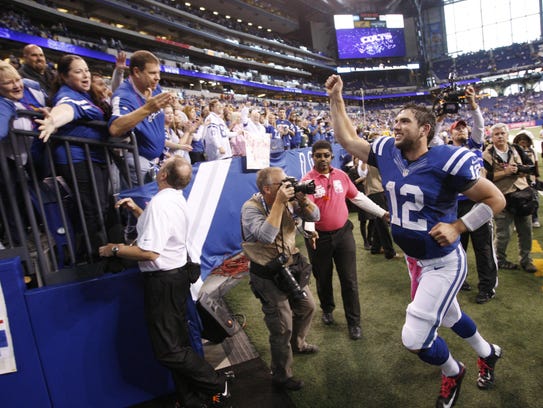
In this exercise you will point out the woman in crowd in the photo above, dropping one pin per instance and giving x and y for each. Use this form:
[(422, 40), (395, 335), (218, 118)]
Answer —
[(16, 94), (72, 108), (197, 152), (176, 142), (237, 142)]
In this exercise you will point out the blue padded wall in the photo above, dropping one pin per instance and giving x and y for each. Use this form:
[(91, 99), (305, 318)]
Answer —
[(26, 387), (93, 343)]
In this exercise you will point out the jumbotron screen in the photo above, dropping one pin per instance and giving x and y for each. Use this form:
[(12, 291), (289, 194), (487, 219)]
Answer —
[(369, 35)]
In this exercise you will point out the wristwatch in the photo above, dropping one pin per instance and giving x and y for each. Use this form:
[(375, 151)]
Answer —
[(114, 251)]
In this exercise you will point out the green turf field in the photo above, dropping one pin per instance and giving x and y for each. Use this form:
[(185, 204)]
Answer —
[(377, 371)]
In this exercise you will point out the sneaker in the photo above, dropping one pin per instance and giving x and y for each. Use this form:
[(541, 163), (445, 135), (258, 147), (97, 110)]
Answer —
[(484, 297), (222, 400), (450, 389), (536, 224), (466, 287), (485, 379), (507, 265), (529, 267)]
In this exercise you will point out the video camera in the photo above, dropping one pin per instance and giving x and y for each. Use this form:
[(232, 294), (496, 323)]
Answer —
[(284, 278), (306, 187), (449, 99)]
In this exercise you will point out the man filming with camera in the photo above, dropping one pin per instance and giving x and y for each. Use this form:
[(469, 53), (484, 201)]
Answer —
[(279, 274), (482, 238), (507, 166)]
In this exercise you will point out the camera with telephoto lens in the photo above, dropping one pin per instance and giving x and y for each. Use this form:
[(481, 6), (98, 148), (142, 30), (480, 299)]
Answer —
[(449, 99), (306, 187), (526, 168), (284, 278)]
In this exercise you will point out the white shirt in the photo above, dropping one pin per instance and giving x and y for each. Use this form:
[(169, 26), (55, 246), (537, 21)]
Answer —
[(163, 228)]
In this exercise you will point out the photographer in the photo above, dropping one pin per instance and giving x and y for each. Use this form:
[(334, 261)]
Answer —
[(269, 220), (507, 167), (524, 141), (482, 238)]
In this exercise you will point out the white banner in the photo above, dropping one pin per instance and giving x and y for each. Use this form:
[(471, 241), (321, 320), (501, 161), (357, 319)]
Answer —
[(258, 151)]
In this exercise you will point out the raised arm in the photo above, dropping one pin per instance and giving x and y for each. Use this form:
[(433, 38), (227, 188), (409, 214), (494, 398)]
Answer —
[(478, 130), (124, 123), (344, 131)]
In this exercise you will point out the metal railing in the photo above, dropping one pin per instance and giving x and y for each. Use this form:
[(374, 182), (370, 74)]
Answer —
[(42, 216)]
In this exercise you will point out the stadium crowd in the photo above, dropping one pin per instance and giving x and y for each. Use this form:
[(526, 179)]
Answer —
[(198, 127)]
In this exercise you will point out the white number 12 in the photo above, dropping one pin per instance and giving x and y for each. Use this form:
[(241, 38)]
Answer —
[(415, 204)]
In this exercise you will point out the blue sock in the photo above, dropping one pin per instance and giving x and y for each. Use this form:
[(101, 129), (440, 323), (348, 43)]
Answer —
[(465, 327), (437, 354)]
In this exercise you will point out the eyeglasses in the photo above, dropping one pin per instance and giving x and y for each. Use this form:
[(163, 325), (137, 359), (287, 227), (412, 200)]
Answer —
[(322, 155)]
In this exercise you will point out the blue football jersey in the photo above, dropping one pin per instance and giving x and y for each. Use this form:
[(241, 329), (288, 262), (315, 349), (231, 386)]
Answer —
[(423, 193), (150, 131), (84, 109)]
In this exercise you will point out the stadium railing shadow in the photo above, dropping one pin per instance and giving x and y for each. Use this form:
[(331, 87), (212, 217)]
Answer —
[(41, 216)]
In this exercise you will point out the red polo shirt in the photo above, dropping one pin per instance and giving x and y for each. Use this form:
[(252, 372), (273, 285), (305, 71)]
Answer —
[(331, 190)]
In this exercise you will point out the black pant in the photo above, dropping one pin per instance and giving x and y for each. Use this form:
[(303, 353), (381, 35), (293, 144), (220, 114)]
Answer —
[(165, 315), (94, 209), (336, 247), (483, 247), (381, 231), (12, 177)]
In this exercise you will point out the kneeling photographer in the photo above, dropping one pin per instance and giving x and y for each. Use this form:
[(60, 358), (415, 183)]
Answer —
[(279, 274)]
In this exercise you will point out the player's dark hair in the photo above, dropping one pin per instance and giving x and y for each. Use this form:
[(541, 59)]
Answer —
[(424, 116)]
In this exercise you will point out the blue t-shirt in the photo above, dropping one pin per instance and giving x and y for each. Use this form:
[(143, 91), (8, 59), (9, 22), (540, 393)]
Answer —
[(84, 110), (150, 131), (33, 99), (423, 193)]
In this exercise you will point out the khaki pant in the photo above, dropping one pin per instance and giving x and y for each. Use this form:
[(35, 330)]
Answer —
[(288, 321), (523, 224)]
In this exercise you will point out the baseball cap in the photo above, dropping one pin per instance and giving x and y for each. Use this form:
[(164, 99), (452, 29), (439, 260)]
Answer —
[(459, 122)]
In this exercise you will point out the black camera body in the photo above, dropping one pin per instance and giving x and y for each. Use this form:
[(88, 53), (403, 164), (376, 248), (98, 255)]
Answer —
[(284, 278), (306, 187), (526, 168), (449, 99)]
